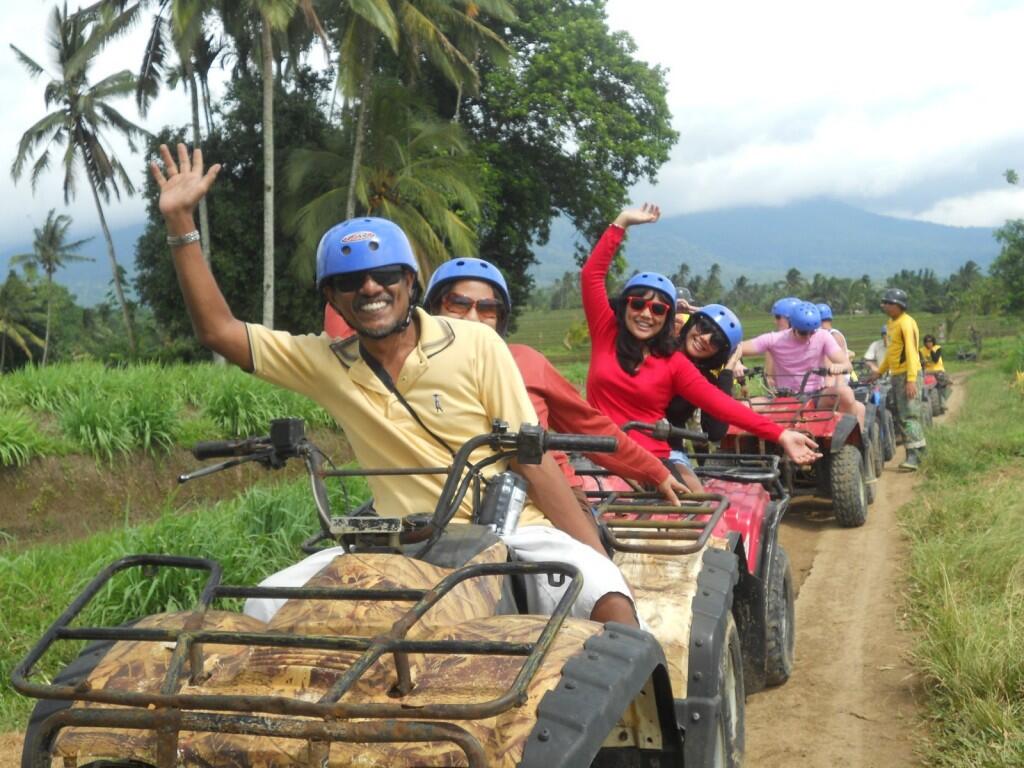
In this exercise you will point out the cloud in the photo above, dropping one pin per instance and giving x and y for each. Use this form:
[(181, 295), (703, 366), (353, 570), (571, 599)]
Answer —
[(777, 102), (988, 208)]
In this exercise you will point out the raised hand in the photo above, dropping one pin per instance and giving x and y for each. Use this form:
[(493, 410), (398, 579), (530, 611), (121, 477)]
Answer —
[(646, 214), (183, 183)]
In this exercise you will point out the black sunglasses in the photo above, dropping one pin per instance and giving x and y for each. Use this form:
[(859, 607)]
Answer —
[(353, 281), (705, 326)]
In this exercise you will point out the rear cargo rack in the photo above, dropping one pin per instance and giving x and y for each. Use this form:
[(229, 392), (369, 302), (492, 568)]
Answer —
[(635, 521), (792, 411), (168, 712)]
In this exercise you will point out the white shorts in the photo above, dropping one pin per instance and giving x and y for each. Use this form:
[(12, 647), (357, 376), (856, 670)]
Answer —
[(532, 544)]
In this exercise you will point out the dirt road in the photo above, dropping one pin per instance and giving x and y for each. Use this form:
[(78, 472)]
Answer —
[(851, 700)]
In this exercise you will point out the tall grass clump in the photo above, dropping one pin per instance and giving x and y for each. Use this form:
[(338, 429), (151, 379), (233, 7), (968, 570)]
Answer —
[(150, 407), (966, 574), (51, 389), (95, 423), (20, 440), (251, 537)]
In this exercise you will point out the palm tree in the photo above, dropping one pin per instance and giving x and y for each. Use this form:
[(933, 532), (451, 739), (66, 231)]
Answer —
[(81, 114), (418, 173), (434, 29), (50, 253), (19, 314)]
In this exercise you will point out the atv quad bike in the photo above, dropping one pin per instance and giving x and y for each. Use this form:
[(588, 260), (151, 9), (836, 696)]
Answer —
[(870, 389), (412, 649), (763, 597), (845, 473)]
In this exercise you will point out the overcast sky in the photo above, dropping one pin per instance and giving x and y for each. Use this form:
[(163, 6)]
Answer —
[(910, 108)]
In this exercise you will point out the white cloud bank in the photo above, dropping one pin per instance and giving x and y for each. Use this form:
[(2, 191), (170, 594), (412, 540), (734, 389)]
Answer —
[(802, 98), (990, 207)]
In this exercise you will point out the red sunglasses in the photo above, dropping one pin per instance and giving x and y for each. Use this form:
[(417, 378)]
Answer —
[(639, 304)]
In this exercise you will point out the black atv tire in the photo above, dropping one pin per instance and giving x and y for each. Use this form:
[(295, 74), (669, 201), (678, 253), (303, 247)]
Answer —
[(888, 436), (780, 620), (867, 470), (730, 735), (875, 441), (849, 494), (926, 410), (936, 397)]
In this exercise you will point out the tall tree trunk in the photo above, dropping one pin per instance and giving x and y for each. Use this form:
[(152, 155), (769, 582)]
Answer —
[(357, 150), (268, 175), (49, 314), (115, 267), (197, 141), (204, 211)]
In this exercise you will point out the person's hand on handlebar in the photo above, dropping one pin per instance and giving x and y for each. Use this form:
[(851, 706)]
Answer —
[(799, 447), (836, 369)]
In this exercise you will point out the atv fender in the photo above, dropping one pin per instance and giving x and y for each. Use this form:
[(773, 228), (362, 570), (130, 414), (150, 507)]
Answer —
[(598, 683), (750, 609), (847, 431), (712, 606)]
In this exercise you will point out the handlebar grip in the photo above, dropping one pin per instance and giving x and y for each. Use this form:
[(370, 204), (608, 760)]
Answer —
[(581, 443), (217, 449), (689, 434)]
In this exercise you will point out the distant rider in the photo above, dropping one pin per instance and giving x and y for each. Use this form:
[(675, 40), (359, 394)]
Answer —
[(877, 349), (931, 356)]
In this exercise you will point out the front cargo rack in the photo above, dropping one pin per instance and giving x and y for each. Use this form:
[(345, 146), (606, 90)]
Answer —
[(168, 712)]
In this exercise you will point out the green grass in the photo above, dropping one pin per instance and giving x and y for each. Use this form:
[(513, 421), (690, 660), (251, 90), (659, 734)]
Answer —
[(251, 537), (966, 573), (111, 412), (20, 440)]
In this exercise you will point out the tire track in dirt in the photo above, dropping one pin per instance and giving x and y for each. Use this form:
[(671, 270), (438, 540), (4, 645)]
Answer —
[(851, 701)]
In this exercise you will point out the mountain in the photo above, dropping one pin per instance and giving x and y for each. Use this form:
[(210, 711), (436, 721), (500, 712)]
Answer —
[(89, 281), (763, 243)]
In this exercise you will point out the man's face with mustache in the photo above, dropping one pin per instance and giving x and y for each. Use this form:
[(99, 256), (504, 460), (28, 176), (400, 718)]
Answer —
[(374, 309)]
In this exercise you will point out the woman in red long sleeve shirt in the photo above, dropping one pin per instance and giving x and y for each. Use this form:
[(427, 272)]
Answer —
[(473, 289), (634, 367)]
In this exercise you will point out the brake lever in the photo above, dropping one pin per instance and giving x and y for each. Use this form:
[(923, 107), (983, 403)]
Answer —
[(264, 457)]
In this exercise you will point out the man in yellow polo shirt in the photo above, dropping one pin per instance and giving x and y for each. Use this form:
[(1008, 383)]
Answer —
[(903, 363), (408, 389)]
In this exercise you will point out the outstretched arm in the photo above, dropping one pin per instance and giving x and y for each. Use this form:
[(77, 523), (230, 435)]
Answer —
[(182, 185)]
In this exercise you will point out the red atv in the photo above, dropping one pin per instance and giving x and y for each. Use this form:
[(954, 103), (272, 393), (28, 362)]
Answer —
[(763, 596), (846, 473)]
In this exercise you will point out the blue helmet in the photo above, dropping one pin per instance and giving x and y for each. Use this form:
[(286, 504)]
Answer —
[(468, 268), (727, 322), (885, 329), (805, 317), (360, 244), (783, 307), (825, 311), (653, 281)]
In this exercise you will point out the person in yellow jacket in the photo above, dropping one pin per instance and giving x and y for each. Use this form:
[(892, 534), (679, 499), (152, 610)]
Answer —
[(931, 356), (903, 363)]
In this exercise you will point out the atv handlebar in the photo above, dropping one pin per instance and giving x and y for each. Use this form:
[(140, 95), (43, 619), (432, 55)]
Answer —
[(287, 440), (219, 449), (581, 443), (663, 430)]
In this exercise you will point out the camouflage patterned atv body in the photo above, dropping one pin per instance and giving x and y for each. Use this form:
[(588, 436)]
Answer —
[(383, 659)]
